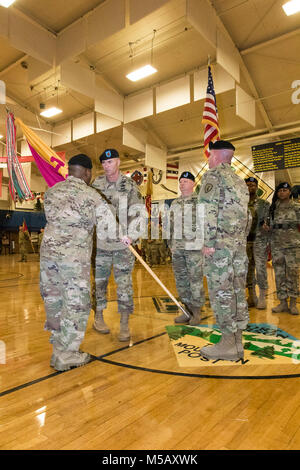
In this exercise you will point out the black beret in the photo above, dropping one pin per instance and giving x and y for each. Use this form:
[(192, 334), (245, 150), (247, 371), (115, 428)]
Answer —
[(108, 154), (251, 179), (187, 174), (81, 160), (220, 145), (283, 185)]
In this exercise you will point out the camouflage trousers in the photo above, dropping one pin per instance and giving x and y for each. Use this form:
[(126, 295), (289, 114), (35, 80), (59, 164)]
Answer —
[(188, 273), (257, 266), (226, 271), (286, 267), (23, 251), (65, 289), (122, 262)]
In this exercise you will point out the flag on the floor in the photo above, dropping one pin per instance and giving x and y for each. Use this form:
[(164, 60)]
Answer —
[(50, 164), (210, 115)]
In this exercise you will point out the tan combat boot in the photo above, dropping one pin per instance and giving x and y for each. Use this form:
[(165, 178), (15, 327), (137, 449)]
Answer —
[(226, 349), (282, 307), (261, 304), (67, 359), (55, 354), (124, 334), (183, 318), (196, 316), (99, 324), (293, 306)]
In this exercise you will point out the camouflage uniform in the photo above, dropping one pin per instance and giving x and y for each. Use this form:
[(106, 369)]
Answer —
[(187, 260), (285, 248), (257, 244), (225, 197), (112, 252), (23, 240), (71, 209)]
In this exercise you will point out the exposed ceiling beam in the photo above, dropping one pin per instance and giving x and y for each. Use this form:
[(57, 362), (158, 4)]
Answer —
[(270, 42)]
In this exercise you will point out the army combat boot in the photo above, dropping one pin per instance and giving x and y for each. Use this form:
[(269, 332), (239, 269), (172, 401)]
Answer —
[(196, 316), (124, 334), (293, 307), (55, 354), (184, 318), (261, 304), (282, 307), (99, 324), (67, 359), (226, 349)]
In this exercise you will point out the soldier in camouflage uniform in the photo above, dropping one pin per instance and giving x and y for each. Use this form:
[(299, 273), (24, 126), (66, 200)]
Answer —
[(71, 210), (187, 257), (284, 223), (225, 197), (257, 247), (23, 240), (122, 193)]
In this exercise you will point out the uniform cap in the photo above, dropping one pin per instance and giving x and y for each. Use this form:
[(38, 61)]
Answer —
[(81, 160), (108, 154), (220, 145), (187, 174), (251, 179), (283, 185)]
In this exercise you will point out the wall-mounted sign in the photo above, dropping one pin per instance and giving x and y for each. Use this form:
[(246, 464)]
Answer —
[(276, 155)]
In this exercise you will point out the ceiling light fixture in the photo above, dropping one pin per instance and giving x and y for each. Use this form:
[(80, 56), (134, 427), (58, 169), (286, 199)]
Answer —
[(292, 7), (50, 112), (141, 73), (6, 3)]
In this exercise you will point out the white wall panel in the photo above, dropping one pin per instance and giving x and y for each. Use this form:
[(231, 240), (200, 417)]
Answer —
[(138, 106), (202, 17), (78, 78), (109, 103), (29, 38), (245, 106), (105, 21), (61, 134), (83, 126), (173, 94), (139, 8), (71, 42), (103, 123), (155, 157), (228, 56), (134, 137)]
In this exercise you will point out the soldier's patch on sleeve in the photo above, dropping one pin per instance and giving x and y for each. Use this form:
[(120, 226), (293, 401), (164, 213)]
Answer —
[(208, 187)]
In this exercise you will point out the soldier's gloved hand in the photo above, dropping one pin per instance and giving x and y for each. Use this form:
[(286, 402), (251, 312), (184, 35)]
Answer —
[(208, 251), (126, 240)]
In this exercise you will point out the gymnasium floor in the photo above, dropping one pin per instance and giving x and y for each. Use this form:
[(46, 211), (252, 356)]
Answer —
[(137, 395)]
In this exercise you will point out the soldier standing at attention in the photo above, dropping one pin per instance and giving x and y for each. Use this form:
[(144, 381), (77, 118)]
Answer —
[(187, 260), (225, 197), (285, 247), (71, 210), (257, 245), (122, 193), (23, 239)]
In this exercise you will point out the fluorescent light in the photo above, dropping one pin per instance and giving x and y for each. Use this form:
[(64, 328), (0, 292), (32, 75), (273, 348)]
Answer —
[(141, 73), (51, 112), (6, 3), (291, 7)]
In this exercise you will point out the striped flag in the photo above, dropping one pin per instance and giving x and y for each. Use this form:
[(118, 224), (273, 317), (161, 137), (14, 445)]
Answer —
[(210, 115)]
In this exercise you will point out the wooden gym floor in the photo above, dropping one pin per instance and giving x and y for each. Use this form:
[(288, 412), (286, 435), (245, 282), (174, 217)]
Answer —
[(135, 396)]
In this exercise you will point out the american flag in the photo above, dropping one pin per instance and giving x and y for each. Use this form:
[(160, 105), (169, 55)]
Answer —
[(210, 115)]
